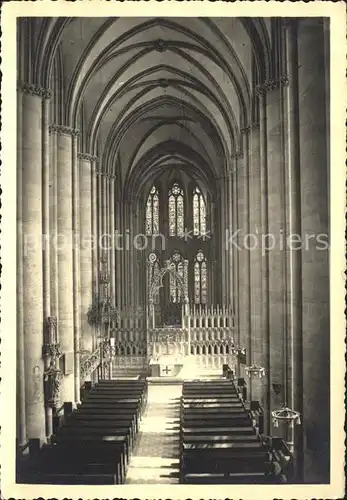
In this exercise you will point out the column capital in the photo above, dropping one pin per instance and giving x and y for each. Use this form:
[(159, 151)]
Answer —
[(31, 89), (105, 174), (274, 84), (87, 157), (63, 130), (245, 130), (238, 155)]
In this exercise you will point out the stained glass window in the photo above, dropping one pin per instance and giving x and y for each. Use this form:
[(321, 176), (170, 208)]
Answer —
[(200, 278), (153, 270), (176, 211), (199, 213), (152, 212), (180, 267)]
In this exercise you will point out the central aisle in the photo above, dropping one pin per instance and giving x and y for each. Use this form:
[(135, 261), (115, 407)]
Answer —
[(155, 459)]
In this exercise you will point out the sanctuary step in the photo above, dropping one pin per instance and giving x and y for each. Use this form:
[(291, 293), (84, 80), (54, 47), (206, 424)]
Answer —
[(155, 458)]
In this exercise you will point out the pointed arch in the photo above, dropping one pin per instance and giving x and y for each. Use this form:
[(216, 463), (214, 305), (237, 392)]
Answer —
[(199, 212), (153, 270), (180, 268), (176, 210), (200, 278), (152, 212)]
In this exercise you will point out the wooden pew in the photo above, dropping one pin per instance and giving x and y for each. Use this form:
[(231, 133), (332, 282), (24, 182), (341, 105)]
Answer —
[(81, 479), (218, 440), (124, 399), (108, 448), (244, 431), (86, 429), (116, 413), (227, 458), (94, 444), (84, 458), (191, 410)]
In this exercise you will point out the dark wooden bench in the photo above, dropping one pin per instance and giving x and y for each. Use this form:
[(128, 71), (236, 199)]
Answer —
[(81, 479), (245, 431), (85, 429), (217, 399), (235, 410), (219, 438), (233, 478), (118, 417), (84, 458), (227, 458), (112, 445)]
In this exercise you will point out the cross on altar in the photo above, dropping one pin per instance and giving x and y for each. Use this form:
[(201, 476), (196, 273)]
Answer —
[(166, 370)]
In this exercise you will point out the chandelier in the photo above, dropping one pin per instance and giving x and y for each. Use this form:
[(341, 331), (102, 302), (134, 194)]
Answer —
[(255, 371), (287, 415)]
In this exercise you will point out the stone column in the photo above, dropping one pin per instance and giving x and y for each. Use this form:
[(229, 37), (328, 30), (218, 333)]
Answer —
[(21, 420), (275, 251), (94, 228), (53, 224), (257, 334), (242, 245), (46, 193), (100, 213), (235, 252), (86, 258), (31, 180), (111, 231), (118, 255), (228, 233), (223, 253), (293, 261), (313, 65), (76, 266), (264, 264), (65, 257)]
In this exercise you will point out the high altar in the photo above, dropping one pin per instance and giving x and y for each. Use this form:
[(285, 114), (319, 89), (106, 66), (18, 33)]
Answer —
[(198, 340), (203, 340)]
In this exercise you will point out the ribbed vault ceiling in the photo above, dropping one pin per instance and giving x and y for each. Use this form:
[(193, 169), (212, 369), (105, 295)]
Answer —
[(149, 93)]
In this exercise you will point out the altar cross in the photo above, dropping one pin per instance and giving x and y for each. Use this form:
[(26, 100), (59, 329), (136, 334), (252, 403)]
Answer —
[(166, 370)]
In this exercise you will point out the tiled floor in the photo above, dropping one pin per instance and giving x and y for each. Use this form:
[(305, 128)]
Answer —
[(155, 459)]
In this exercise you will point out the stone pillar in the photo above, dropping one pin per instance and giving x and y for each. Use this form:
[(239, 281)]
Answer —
[(111, 231), (99, 210), (31, 170), (223, 225), (65, 257), (53, 225), (242, 247), (21, 420), (257, 334), (234, 250), (293, 261), (273, 242), (94, 228), (118, 255), (314, 167), (264, 264), (76, 266), (227, 234), (46, 193), (86, 258)]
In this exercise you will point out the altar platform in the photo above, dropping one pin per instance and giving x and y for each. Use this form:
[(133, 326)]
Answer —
[(172, 367), (169, 369)]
